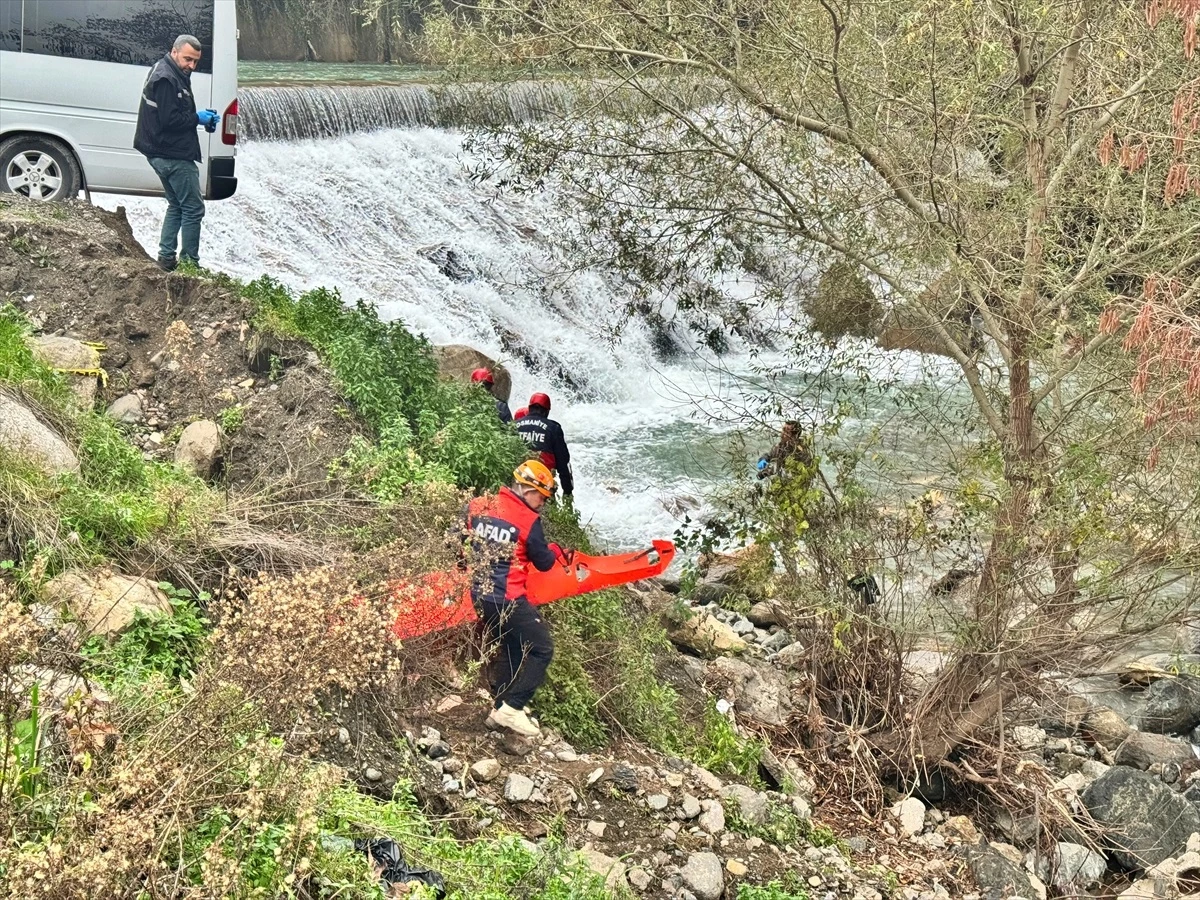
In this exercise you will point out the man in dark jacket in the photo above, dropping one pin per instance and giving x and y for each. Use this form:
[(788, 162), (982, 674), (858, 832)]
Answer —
[(505, 536), (545, 436), (166, 136), (484, 377)]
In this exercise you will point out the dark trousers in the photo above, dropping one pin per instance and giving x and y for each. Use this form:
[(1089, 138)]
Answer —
[(524, 649), (185, 208)]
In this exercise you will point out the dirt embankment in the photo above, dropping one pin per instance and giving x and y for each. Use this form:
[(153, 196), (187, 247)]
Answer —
[(185, 346)]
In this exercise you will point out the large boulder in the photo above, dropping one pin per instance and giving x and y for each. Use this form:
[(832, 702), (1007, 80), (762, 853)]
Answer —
[(24, 433), (199, 449), (757, 690), (706, 635), (1141, 751), (106, 603), (1172, 705), (1144, 821), (998, 877), (458, 361), (702, 874), (73, 358), (1106, 727)]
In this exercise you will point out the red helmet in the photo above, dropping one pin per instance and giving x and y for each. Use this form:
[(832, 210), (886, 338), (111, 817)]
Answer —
[(540, 399), (483, 375), (520, 413)]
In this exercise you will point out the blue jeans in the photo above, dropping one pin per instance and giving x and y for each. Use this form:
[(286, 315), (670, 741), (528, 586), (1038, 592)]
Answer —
[(185, 207)]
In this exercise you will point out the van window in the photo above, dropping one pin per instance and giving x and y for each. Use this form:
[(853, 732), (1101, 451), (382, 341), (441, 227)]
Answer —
[(137, 32), (10, 25)]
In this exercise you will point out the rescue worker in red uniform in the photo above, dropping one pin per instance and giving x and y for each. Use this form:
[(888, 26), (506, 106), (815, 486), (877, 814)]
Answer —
[(545, 437), (506, 537), (484, 377)]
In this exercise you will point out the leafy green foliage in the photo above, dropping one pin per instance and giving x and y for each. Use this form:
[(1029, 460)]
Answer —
[(774, 890), (722, 750), (155, 643), (496, 867), (428, 429)]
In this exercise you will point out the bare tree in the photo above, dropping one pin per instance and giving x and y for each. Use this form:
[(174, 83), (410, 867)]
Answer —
[(1004, 171)]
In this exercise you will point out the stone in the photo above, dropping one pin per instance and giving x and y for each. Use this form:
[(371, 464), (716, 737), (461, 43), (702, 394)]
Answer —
[(702, 875), (793, 656), (517, 788), (757, 690), (704, 634), (777, 641), (801, 809), (452, 765), (1022, 830), (1028, 737), (710, 592), (764, 614), (751, 806), (438, 750), (1106, 727), (1077, 866), (689, 808), (639, 878), (910, 813), (485, 770), (23, 433), (658, 802), (707, 778), (372, 774), (456, 362), (610, 869), (596, 829), (712, 819), (623, 777), (1141, 750), (1143, 820), (67, 354), (998, 877), (199, 449), (736, 868), (104, 602), (1172, 705), (742, 627), (127, 410)]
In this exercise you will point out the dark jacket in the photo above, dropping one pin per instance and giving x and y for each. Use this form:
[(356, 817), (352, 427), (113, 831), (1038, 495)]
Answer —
[(503, 411), (507, 536), (166, 122), (545, 436)]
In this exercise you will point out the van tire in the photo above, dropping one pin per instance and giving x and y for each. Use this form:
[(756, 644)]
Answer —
[(54, 160)]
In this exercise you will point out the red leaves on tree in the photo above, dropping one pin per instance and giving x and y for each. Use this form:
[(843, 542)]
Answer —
[(1186, 11)]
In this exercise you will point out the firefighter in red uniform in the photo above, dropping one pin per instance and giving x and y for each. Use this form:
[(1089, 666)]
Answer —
[(545, 437), (506, 537)]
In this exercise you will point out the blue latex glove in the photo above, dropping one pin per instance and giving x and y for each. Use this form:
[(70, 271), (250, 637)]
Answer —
[(209, 119)]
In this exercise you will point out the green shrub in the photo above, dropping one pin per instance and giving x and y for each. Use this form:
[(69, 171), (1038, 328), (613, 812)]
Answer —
[(428, 429), (155, 643), (721, 750), (775, 890)]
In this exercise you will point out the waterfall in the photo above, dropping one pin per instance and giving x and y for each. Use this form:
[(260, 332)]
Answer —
[(292, 113)]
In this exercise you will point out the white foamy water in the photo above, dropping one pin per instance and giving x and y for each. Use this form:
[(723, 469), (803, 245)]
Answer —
[(351, 213)]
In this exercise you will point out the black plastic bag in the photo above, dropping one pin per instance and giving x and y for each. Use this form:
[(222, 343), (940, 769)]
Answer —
[(387, 854)]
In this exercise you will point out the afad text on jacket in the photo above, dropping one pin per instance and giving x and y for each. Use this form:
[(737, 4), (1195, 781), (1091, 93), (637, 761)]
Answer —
[(507, 535)]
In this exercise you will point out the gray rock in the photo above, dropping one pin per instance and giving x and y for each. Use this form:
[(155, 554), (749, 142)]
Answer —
[(910, 813), (24, 433), (709, 592), (1022, 830), (752, 807), (1077, 866), (1106, 727), (458, 361), (793, 656), (658, 802), (485, 770), (452, 765), (199, 449), (998, 878), (1028, 737), (742, 627), (777, 641), (639, 878), (372, 774), (758, 689), (517, 788), (764, 614), (703, 876), (712, 819), (706, 635), (127, 410), (1144, 821), (612, 870), (438, 750), (1172, 705), (689, 808), (67, 354), (1141, 750), (623, 777)]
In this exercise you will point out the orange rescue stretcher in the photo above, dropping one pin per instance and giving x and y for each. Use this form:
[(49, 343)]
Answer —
[(442, 600)]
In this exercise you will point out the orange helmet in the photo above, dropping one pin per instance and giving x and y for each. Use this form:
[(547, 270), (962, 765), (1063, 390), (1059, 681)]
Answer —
[(540, 399), (534, 474), (483, 375)]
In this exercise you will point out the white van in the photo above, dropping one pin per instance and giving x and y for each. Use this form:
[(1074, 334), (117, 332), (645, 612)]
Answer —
[(71, 75)]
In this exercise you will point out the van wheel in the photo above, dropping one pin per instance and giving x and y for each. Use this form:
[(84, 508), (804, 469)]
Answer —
[(39, 168)]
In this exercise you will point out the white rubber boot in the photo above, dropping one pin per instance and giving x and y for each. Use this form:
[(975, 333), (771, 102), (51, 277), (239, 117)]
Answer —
[(514, 720)]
